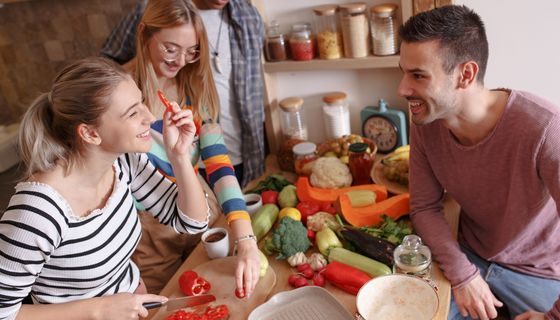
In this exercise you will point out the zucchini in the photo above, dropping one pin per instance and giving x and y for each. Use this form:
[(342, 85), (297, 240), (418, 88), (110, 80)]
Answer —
[(358, 261), (370, 246), (263, 220)]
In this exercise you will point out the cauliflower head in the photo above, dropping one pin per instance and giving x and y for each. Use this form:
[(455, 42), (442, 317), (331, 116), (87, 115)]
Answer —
[(330, 173)]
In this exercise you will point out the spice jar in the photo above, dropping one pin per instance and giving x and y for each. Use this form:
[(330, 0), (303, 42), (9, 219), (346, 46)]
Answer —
[(329, 39), (275, 48), (354, 29), (336, 114), (384, 27), (301, 42), (304, 156), (292, 119), (413, 258), (360, 163)]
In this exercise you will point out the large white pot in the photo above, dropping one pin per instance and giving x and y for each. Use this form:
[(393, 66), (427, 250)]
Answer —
[(397, 297)]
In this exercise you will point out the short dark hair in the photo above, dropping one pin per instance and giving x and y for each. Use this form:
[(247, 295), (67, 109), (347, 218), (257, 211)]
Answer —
[(459, 30)]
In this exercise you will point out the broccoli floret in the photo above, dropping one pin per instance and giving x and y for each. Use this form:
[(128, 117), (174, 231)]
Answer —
[(289, 238)]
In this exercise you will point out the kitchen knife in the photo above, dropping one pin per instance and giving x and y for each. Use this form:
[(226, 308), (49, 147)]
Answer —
[(183, 302)]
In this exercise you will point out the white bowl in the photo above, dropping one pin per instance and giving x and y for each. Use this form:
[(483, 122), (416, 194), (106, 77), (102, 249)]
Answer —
[(397, 296), (253, 201)]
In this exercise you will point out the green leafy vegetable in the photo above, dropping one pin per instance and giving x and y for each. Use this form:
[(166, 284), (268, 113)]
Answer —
[(390, 230), (273, 182)]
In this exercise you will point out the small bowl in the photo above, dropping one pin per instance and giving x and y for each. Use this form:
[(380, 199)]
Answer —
[(397, 296), (253, 202)]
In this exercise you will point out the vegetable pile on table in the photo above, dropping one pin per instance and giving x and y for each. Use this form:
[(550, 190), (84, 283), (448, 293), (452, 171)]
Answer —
[(350, 250)]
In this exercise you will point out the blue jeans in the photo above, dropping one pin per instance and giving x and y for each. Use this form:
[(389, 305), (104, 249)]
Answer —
[(519, 292)]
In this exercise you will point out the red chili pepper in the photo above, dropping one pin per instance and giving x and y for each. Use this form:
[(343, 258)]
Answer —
[(307, 208), (193, 285), (269, 196), (165, 101), (345, 277)]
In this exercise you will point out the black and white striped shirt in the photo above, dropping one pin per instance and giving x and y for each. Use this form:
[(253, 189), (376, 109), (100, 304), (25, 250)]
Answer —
[(58, 257)]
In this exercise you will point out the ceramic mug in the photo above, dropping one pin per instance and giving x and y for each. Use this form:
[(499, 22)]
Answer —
[(216, 242), (253, 202)]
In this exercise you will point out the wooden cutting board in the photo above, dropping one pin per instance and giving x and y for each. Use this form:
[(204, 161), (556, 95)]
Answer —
[(221, 275)]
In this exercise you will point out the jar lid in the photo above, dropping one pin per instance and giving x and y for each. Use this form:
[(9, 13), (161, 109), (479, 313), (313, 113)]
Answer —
[(384, 10), (325, 10), (291, 104), (356, 7), (334, 96), (304, 148), (299, 26), (358, 147)]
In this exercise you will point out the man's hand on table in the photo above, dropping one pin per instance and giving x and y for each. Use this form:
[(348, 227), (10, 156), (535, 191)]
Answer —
[(248, 266), (475, 299), (531, 315)]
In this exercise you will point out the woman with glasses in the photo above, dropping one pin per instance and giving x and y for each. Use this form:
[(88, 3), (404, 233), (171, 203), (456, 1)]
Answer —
[(173, 56)]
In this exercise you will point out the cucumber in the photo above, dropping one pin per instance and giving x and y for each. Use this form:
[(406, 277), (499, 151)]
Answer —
[(358, 261), (263, 220)]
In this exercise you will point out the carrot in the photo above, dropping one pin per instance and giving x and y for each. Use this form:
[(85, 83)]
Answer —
[(306, 192), (394, 207)]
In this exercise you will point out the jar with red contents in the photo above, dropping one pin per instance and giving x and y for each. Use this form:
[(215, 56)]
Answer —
[(360, 163), (304, 156), (301, 42)]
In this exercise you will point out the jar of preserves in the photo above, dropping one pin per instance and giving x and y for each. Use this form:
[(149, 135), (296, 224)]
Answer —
[(384, 26), (360, 163), (301, 42), (275, 47), (292, 118), (413, 258), (336, 114), (329, 38), (355, 33), (305, 154)]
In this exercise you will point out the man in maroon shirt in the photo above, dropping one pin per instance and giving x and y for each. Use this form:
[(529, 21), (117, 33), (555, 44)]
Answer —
[(497, 152)]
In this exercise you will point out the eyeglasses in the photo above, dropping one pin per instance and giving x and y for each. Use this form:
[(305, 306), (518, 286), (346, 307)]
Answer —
[(171, 53)]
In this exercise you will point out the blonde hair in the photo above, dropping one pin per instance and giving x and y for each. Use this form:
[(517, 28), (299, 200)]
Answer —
[(194, 80), (80, 94)]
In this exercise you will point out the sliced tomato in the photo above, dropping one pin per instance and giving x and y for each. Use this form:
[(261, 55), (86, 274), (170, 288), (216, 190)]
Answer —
[(219, 312)]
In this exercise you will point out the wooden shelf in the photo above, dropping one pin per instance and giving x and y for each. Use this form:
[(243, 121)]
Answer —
[(371, 62)]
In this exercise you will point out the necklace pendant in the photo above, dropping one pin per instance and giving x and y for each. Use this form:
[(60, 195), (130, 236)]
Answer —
[(217, 64)]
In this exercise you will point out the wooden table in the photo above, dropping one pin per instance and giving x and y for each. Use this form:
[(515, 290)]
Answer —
[(283, 270)]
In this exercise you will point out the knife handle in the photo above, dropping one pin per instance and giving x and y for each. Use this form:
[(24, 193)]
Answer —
[(152, 305)]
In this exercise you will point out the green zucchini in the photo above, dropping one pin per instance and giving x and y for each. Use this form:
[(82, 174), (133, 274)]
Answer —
[(263, 220), (358, 261)]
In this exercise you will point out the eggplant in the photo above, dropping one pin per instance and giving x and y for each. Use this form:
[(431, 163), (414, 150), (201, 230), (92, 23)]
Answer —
[(369, 245)]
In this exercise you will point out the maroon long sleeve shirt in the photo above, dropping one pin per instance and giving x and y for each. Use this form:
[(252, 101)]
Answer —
[(508, 186)]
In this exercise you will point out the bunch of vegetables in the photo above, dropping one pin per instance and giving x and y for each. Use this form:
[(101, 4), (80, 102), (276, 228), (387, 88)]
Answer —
[(274, 182)]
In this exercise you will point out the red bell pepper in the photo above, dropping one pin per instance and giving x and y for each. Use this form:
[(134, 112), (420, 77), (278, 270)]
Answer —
[(307, 208), (193, 285), (269, 196), (345, 277), (328, 207)]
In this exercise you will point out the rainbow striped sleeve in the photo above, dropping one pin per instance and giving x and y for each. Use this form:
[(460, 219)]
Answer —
[(220, 172)]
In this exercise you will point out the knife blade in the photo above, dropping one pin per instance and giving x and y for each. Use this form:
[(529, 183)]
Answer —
[(182, 302)]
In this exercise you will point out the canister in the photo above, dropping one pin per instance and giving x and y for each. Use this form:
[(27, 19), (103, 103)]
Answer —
[(384, 29), (301, 42), (275, 47), (329, 37), (336, 115), (355, 33), (293, 119)]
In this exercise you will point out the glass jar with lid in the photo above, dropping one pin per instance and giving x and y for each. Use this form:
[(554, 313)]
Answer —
[(384, 29), (292, 118), (355, 32), (329, 38), (413, 258), (301, 42), (336, 114), (275, 47), (360, 163), (305, 154)]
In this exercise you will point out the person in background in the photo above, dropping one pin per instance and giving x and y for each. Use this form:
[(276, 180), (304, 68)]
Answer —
[(71, 227), (497, 153), (236, 35), (174, 56)]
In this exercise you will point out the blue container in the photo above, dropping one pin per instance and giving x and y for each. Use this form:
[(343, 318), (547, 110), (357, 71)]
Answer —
[(387, 127)]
